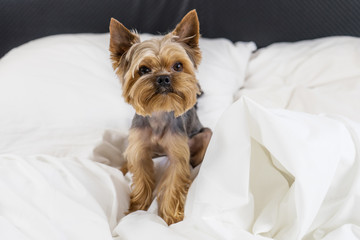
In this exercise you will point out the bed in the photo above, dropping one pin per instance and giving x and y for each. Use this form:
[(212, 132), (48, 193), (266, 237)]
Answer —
[(281, 86)]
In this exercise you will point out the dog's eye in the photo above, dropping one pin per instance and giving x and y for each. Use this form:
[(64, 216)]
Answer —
[(178, 67), (144, 70)]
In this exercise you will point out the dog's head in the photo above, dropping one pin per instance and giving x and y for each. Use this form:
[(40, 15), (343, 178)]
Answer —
[(158, 75)]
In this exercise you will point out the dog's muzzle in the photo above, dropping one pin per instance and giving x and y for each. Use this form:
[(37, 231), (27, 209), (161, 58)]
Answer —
[(163, 84)]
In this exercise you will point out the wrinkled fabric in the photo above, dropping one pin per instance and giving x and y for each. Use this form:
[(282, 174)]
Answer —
[(44, 197), (267, 174)]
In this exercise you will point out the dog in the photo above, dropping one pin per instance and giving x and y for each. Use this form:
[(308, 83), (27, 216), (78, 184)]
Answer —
[(158, 80)]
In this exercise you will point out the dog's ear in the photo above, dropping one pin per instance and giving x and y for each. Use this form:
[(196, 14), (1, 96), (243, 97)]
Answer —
[(188, 29), (187, 33), (121, 39)]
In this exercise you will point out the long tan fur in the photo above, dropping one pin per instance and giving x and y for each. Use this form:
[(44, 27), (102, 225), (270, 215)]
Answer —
[(159, 126)]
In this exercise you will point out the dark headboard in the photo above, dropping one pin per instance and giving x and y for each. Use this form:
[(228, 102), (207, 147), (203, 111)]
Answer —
[(262, 21)]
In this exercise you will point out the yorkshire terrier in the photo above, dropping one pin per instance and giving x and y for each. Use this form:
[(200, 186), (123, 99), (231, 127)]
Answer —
[(158, 80)]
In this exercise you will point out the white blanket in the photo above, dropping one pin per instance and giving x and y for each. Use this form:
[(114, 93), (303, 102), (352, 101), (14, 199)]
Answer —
[(44, 197), (268, 174)]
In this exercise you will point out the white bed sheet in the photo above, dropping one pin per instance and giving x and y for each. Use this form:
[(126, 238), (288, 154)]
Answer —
[(269, 173), (314, 76), (44, 197)]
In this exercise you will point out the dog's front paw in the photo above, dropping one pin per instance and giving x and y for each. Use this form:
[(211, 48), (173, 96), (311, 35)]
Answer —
[(139, 202), (172, 214), (173, 219)]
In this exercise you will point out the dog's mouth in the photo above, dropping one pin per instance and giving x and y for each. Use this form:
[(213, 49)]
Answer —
[(163, 100), (164, 90)]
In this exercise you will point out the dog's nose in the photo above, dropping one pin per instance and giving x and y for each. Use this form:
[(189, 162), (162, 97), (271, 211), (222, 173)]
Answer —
[(163, 81)]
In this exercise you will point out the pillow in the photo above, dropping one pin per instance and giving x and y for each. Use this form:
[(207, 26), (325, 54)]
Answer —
[(314, 76), (59, 94)]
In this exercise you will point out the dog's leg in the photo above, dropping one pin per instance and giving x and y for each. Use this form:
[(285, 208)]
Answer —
[(140, 164), (198, 145), (175, 183), (124, 168)]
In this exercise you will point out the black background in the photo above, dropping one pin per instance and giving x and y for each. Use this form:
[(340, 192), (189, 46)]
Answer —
[(262, 21)]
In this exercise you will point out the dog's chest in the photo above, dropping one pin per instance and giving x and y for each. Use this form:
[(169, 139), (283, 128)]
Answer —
[(160, 124)]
